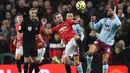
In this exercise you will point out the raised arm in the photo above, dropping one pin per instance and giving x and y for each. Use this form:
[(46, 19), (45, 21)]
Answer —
[(94, 25), (118, 22)]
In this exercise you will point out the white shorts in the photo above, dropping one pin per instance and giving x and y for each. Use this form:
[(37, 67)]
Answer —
[(19, 50), (41, 53), (70, 47)]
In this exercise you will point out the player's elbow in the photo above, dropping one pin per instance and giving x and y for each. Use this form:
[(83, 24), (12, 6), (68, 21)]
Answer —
[(47, 31)]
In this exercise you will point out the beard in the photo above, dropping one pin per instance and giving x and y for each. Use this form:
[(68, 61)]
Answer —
[(59, 22), (109, 16)]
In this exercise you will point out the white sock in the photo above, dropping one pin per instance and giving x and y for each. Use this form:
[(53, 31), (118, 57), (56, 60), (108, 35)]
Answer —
[(80, 69), (89, 61), (105, 68)]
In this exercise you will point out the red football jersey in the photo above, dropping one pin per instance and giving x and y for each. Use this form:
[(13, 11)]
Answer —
[(65, 30), (17, 27), (46, 38)]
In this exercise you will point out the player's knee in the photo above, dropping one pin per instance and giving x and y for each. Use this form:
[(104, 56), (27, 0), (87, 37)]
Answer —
[(26, 60), (105, 61), (66, 60), (92, 50), (90, 53), (17, 57)]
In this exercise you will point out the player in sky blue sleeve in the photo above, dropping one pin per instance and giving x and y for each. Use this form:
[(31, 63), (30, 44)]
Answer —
[(109, 27)]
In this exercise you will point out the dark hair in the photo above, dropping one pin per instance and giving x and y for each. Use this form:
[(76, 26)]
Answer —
[(54, 16), (112, 7), (19, 14)]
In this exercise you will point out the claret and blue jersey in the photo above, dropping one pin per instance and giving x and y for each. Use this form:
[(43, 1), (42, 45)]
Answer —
[(108, 29)]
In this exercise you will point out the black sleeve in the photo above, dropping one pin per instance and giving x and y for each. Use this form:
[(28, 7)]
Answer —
[(38, 31)]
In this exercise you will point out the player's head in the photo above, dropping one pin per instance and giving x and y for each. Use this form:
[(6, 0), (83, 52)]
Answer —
[(110, 11), (19, 18), (33, 12), (58, 18), (77, 17), (69, 16)]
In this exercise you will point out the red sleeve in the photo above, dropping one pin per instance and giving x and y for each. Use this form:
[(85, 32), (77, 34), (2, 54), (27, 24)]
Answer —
[(55, 29), (17, 27), (41, 29), (71, 22)]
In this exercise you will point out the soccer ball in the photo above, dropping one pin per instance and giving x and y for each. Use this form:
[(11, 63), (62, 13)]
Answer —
[(80, 5)]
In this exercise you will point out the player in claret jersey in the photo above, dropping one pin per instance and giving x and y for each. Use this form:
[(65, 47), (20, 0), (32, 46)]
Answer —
[(109, 27), (67, 34), (18, 42)]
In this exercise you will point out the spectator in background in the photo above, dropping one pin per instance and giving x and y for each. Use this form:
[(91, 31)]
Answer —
[(8, 7), (1, 12), (73, 10), (10, 19), (5, 31), (121, 15), (91, 9), (60, 8), (35, 4), (64, 10), (48, 12), (13, 12), (3, 44), (12, 2), (41, 10), (101, 11), (47, 4), (6, 23), (22, 8), (128, 11), (120, 46), (126, 32), (12, 47)]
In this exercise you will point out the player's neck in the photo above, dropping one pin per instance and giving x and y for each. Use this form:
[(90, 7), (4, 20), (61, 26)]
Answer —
[(112, 17), (31, 18), (19, 22)]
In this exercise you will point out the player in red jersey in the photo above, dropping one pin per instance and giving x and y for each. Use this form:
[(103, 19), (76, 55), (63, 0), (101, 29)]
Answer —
[(67, 34), (18, 41), (75, 55)]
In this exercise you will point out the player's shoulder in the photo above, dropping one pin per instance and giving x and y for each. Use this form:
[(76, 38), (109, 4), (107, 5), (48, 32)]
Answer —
[(67, 20), (17, 25), (41, 27), (103, 20), (76, 25)]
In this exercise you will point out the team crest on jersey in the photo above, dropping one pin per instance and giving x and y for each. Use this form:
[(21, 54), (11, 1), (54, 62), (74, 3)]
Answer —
[(107, 25), (29, 28)]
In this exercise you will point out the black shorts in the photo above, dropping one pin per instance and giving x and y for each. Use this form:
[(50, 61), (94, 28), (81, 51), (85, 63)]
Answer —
[(30, 49)]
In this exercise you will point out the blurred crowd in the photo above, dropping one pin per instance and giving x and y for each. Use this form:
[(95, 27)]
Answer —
[(46, 9)]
